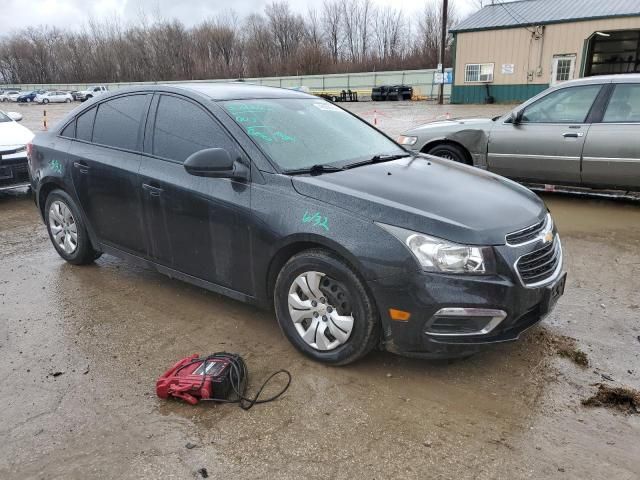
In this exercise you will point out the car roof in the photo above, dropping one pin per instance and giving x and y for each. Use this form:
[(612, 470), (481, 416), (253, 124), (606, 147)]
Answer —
[(620, 78), (239, 91)]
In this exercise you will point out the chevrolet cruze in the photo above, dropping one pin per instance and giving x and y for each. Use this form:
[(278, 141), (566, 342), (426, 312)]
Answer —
[(286, 201)]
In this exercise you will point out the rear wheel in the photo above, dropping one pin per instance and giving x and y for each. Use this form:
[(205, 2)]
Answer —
[(324, 309), (67, 230), (449, 151), (45, 101)]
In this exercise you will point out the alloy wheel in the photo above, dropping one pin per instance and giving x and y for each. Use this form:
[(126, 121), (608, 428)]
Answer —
[(64, 229), (320, 309)]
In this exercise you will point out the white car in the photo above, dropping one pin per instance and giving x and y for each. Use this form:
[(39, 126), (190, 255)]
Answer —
[(14, 171), (10, 96), (90, 92), (54, 97)]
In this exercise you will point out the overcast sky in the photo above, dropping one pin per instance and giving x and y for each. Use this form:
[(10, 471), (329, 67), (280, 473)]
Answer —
[(15, 14)]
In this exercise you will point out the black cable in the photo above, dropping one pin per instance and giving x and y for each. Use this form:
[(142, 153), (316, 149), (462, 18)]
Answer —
[(239, 379)]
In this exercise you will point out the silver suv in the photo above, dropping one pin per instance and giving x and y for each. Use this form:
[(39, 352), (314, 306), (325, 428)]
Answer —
[(581, 134)]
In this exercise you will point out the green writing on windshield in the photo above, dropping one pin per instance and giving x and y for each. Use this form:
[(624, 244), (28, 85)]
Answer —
[(316, 219), (251, 116)]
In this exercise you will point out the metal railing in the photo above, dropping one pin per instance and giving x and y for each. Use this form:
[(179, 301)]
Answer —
[(422, 82)]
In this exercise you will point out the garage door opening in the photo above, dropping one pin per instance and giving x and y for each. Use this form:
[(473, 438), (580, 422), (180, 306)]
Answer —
[(613, 52)]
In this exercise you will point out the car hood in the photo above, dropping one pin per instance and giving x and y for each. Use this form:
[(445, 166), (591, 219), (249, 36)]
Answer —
[(13, 134), (432, 196)]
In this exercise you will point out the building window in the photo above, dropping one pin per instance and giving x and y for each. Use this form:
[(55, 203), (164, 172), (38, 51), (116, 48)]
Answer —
[(617, 52), (564, 68), (478, 72)]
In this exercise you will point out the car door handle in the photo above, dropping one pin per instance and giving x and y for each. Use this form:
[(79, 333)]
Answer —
[(83, 167), (155, 191), (573, 134)]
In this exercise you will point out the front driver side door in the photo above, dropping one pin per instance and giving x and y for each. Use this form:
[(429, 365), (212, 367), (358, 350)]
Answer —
[(546, 146), (199, 226)]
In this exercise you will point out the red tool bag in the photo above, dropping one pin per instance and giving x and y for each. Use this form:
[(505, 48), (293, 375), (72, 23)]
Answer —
[(219, 377)]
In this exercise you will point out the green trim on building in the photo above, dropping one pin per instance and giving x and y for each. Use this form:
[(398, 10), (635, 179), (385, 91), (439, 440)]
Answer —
[(500, 93)]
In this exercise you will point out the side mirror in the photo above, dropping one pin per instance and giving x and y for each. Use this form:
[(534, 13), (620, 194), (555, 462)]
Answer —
[(516, 118), (214, 162), (15, 116)]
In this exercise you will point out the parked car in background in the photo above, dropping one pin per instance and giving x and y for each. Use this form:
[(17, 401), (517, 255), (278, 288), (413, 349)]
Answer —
[(10, 95), (355, 243), (54, 97), (14, 172), (91, 92), (581, 134), (28, 97), (75, 95)]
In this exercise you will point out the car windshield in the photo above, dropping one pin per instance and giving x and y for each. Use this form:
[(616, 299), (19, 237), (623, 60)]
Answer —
[(307, 132)]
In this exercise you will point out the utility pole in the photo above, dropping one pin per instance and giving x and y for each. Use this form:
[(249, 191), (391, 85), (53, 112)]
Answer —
[(443, 39)]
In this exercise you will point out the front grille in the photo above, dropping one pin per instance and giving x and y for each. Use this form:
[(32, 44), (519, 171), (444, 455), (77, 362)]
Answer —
[(540, 265), (527, 234), (14, 171)]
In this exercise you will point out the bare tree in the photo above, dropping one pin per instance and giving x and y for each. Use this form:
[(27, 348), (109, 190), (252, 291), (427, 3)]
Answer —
[(332, 27), (342, 36)]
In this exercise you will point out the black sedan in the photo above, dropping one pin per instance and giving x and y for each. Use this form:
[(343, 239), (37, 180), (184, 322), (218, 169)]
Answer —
[(284, 200)]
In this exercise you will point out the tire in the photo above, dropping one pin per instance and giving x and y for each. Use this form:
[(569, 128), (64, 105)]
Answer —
[(45, 101), (29, 100), (83, 253), (450, 152), (67, 101), (340, 286)]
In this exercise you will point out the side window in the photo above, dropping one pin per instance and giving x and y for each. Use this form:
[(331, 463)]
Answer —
[(84, 125), (69, 131), (183, 128), (624, 105), (118, 121), (567, 105)]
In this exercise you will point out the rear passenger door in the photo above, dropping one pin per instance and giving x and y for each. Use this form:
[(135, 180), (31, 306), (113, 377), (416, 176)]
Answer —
[(197, 225), (106, 157), (611, 156)]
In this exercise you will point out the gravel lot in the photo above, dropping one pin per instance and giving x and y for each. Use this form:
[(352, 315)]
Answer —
[(512, 412)]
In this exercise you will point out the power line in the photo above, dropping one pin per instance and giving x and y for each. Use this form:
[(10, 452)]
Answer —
[(512, 15)]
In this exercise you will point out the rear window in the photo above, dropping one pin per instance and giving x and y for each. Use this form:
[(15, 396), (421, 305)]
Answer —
[(69, 131), (118, 121), (84, 125)]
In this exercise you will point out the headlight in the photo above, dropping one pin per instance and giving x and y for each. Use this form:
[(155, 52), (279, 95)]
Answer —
[(402, 140), (438, 255)]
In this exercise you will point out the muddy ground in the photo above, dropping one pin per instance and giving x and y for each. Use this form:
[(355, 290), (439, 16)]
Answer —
[(511, 412)]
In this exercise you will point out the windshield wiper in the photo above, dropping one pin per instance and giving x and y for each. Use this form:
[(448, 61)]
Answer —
[(316, 169), (378, 159)]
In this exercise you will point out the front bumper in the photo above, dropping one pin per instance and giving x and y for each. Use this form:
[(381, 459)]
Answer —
[(456, 315), (14, 172)]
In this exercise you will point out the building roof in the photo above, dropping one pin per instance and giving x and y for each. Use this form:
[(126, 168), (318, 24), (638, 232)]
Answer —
[(503, 14)]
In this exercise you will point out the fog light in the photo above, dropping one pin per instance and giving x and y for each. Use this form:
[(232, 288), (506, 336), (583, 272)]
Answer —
[(458, 322)]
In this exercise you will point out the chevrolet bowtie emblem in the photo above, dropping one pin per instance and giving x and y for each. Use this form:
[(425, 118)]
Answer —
[(547, 237)]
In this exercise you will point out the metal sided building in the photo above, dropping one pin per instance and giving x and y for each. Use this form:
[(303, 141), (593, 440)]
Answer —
[(508, 52)]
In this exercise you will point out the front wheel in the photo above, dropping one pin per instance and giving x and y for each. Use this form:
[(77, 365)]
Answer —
[(67, 230), (450, 152), (324, 309)]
